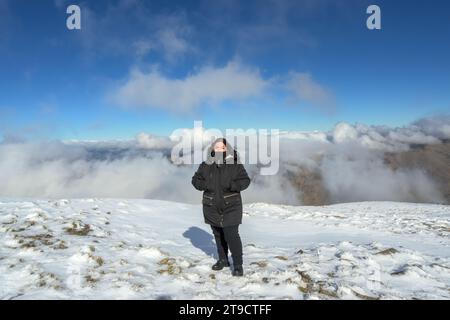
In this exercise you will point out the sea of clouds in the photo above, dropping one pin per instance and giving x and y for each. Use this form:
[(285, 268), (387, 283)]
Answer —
[(349, 159)]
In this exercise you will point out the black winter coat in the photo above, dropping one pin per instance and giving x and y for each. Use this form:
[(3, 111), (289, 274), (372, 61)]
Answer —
[(221, 185)]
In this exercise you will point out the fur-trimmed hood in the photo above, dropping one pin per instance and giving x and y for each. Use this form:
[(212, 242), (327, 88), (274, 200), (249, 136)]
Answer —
[(230, 153)]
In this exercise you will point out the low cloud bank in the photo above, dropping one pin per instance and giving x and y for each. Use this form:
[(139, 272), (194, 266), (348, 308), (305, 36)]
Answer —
[(345, 164)]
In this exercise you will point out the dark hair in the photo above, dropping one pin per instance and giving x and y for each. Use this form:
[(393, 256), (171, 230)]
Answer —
[(223, 140)]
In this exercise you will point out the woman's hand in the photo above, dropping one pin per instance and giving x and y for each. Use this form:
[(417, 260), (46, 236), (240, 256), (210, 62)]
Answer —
[(241, 181), (198, 180)]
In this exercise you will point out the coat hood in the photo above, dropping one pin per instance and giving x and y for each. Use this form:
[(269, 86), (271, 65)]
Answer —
[(231, 155)]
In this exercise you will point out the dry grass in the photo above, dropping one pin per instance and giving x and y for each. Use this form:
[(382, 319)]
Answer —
[(78, 230)]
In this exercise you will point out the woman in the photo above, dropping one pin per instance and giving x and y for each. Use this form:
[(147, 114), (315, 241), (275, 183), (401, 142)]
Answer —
[(221, 178)]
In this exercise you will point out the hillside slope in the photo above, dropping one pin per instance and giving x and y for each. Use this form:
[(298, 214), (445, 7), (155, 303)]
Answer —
[(151, 249)]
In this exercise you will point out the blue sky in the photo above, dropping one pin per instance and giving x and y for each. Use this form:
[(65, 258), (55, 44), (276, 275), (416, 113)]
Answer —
[(155, 66)]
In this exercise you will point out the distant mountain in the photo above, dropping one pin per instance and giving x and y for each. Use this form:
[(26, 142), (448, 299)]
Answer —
[(432, 159)]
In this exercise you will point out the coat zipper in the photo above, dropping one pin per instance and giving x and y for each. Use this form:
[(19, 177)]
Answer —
[(230, 195)]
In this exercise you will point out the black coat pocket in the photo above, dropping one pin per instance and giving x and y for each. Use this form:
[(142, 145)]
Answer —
[(208, 200), (231, 198)]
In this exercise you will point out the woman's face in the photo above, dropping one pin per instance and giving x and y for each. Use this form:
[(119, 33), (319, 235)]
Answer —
[(220, 147)]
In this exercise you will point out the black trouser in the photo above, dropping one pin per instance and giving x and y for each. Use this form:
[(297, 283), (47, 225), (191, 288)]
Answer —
[(228, 237)]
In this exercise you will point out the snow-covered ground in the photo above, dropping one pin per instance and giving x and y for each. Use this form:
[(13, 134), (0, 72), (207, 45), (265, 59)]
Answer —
[(151, 249)]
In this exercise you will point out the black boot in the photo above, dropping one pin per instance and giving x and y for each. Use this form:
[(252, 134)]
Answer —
[(238, 271), (220, 264)]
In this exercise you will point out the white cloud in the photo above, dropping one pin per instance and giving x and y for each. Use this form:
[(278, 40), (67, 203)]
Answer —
[(348, 159), (172, 37), (213, 85), (304, 87), (149, 141), (113, 31), (344, 132), (386, 138), (410, 136), (355, 173), (208, 86), (438, 126), (169, 39)]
